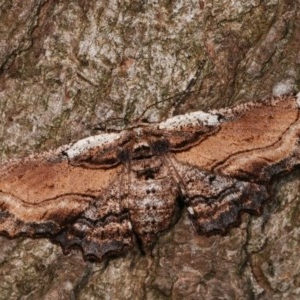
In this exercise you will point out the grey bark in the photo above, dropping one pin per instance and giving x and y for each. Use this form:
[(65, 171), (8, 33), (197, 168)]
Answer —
[(68, 66)]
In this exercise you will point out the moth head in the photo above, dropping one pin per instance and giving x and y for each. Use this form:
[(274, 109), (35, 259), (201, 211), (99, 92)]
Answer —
[(141, 150), (145, 149)]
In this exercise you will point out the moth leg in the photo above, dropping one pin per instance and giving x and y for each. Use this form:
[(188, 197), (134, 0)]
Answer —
[(104, 229), (215, 202)]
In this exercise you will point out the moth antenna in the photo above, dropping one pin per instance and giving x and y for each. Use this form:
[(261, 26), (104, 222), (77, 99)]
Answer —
[(103, 126), (178, 98)]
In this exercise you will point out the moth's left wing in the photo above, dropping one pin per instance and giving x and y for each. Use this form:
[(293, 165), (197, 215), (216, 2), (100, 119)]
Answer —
[(215, 202), (255, 142), (229, 170)]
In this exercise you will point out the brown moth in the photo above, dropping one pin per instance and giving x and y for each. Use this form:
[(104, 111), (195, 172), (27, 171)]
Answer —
[(105, 192)]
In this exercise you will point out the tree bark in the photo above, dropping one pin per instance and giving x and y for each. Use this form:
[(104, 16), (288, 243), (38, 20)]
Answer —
[(68, 67)]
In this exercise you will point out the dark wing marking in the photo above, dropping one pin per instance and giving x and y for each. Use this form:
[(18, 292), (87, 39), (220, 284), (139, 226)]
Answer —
[(215, 202), (104, 229)]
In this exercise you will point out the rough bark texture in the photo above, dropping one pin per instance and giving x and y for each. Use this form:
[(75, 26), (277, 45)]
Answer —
[(67, 66)]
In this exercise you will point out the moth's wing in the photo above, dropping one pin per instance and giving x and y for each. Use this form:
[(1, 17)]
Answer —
[(104, 229), (46, 196), (184, 131), (215, 202), (255, 143), (99, 151), (228, 171)]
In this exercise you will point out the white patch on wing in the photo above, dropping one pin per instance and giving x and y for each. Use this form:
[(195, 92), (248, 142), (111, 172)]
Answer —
[(191, 119), (91, 142)]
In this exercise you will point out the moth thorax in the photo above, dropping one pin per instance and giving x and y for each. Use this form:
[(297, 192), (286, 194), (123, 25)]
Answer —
[(148, 168)]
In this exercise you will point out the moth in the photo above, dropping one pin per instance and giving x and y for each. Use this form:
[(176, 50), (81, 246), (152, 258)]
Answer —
[(109, 192)]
